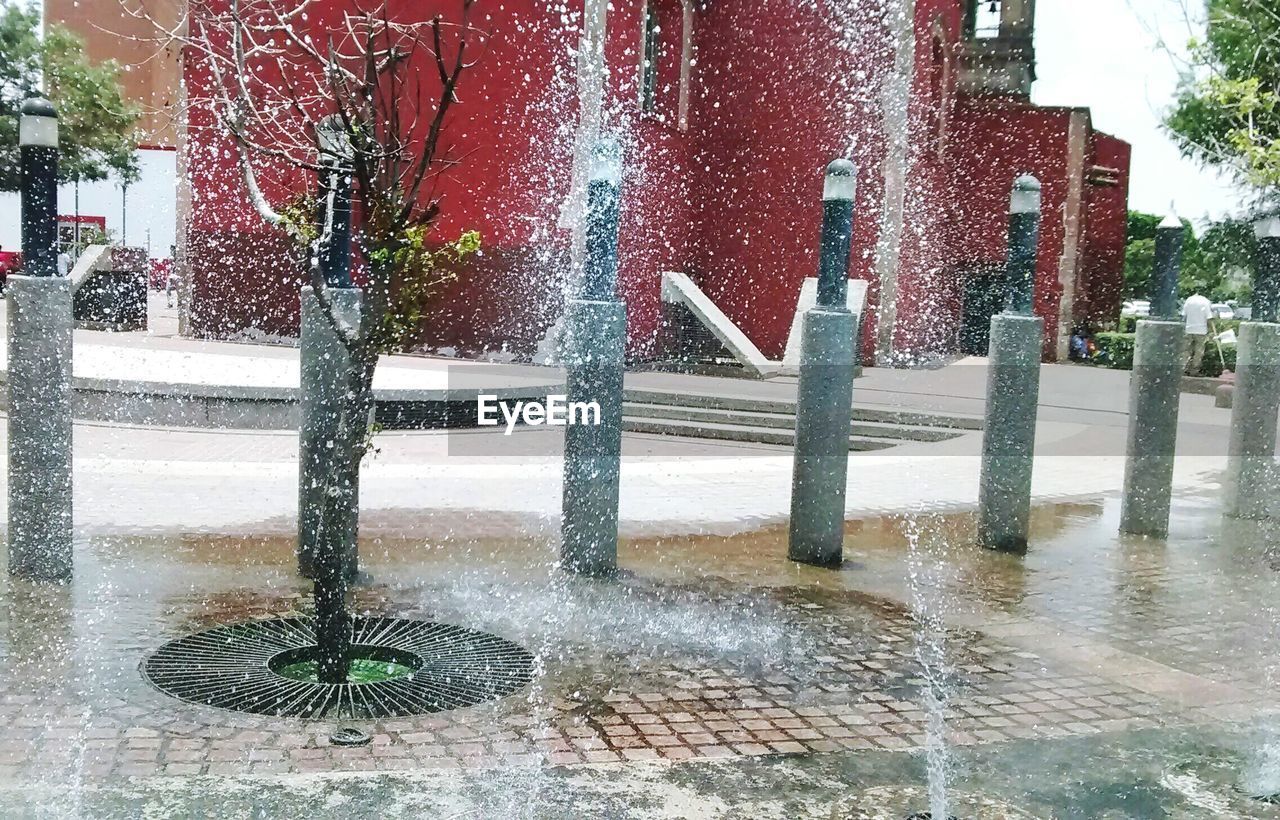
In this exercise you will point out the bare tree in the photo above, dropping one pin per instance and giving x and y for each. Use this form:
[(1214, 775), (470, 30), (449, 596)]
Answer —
[(385, 79)]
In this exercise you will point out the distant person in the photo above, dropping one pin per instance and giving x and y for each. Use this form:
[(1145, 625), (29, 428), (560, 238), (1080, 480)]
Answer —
[(1196, 313), (171, 278), (1079, 347), (64, 263)]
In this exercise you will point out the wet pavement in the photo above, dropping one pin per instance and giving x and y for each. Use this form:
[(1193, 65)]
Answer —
[(714, 678)]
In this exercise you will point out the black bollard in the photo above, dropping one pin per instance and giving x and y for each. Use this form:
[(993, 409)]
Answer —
[(824, 395)]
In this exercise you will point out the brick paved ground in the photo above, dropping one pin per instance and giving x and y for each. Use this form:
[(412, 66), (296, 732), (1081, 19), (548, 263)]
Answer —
[(684, 659), (709, 648)]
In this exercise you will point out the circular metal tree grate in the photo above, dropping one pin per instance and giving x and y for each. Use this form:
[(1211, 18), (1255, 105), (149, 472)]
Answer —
[(433, 667)]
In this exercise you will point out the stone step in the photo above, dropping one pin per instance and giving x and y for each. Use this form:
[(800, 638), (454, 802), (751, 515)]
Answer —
[(877, 415), (735, 432), (781, 421)]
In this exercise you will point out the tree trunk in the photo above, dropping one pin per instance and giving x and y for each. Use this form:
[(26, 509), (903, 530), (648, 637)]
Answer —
[(336, 541)]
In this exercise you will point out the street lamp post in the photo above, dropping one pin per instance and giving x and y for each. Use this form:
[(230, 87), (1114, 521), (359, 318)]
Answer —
[(38, 141), (1266, 280), (336, 156), (1251, 466), (39, 370), (595, 340), (1168, 266), (1013, 385), (824, 395), (1155, 388), (1024, 242)]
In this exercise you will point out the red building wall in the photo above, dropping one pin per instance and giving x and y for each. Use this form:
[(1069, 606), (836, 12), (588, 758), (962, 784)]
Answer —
[(779, 96), (1108, 209), (512, 136), (995, 143), (778, 90)]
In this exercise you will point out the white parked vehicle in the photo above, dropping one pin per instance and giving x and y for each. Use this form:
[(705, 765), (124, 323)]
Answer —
[(1135, 308), (1223, 311)]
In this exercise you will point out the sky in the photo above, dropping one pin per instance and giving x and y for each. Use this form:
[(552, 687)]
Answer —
[(1113, 57)]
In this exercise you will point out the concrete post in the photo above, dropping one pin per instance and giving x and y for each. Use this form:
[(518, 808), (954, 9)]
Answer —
[(1013, 386), (39, 378), (1008, 443), (595, 339), (1155, 390), (39, 386), (1251, 464), (325, 365), (824, 406), (824, 400)]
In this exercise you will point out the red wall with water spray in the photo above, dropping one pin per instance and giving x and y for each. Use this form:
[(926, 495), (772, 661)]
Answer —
[(777, 90)]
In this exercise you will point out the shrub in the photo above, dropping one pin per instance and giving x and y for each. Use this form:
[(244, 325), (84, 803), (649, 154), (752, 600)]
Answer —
[(1115, 350), (1212, 365)]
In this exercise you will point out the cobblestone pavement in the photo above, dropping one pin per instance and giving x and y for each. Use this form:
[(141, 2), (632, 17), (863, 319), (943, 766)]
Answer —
[(691, 656), (711, 649)]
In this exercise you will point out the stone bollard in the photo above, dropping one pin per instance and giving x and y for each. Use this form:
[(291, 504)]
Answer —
[(1155, 390), (1251, 467), (39, 386), (325, 365), (824, 396), (39, 378), (1008, 443), (595, 340), (1154, 394), (595, 334), (1013, 386)]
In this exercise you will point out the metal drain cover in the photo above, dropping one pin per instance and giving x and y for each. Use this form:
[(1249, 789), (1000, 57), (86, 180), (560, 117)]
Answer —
[(235, 667)]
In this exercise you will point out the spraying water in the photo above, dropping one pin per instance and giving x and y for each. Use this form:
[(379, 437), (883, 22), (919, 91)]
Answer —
[(895, 100), (928, 580)]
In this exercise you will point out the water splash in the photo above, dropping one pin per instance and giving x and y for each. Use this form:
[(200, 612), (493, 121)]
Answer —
[(928, 579), (1261, 777)]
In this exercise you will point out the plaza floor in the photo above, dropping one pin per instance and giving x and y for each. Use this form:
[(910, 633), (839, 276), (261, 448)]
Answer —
[(1099, 676), (709, 649)]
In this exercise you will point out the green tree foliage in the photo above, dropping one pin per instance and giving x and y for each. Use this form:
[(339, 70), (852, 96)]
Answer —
[(96, 124), (1140, 254), (1224, 262), (1227, 112), (1217, 264)]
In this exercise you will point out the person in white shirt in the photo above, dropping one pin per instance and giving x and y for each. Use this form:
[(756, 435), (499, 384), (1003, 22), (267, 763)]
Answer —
[(64, 264), (1196, 313), (171, 277)]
